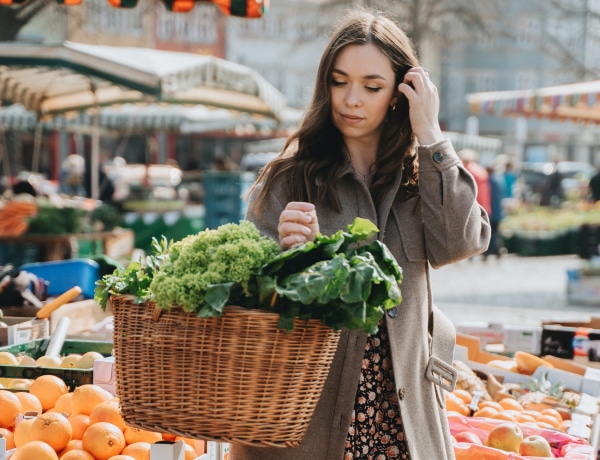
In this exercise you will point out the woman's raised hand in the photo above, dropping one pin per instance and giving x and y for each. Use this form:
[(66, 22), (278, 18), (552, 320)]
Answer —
[(424, 105), (297, 224)]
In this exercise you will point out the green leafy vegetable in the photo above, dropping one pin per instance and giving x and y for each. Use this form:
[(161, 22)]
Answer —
[(207, 270), (333, 279), (134, 279)]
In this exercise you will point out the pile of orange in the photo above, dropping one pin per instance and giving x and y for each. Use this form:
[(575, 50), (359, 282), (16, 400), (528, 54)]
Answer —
[(83, 425), (508, 409)]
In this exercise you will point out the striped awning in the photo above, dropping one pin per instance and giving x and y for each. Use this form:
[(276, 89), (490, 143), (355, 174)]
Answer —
[(140, 118), (575, 102), (72, 77)]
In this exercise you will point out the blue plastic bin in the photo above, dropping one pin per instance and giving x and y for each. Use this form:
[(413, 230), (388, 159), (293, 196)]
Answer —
[(62, 275)]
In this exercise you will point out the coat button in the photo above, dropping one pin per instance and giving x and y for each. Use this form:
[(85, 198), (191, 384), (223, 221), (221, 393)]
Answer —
[(393, 312), (401, 393), (438, 157)]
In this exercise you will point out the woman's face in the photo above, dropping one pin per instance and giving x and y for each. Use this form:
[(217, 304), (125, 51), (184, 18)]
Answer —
[(362, 85)]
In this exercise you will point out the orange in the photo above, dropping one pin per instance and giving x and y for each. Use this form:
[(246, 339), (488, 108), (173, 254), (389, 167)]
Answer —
[(29, 402), (53, 428), (552, 412), (522, 418), (510, 403), (9, 436), (565, 425), (464, 395), (190, 453), (103, 440), (133, 434), (454, 403), (77, 454), (504, 415), (485, 412), (37, 450), (64, 404), (551, 420), (48, 388), (544, 425), (138, 450), (22, 432), (534, 413), (88, 396), (108, 412), (11, 407), (121, 457), (169, 437), (79, 423), (72, 444), (493, 404)]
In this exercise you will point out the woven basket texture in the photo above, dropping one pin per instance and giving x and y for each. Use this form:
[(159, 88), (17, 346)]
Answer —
[(235, 378)]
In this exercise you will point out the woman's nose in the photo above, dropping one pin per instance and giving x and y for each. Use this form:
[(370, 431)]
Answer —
[(352, 97)]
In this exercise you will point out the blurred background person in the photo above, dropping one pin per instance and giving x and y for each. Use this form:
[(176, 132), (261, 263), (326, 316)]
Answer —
[(497, 188), (470, 159), (595, 186)]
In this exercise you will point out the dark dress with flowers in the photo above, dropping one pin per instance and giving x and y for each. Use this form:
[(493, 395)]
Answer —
[(376, 431)]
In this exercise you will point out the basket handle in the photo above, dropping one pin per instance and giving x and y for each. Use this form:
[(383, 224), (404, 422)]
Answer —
[(156, 314)]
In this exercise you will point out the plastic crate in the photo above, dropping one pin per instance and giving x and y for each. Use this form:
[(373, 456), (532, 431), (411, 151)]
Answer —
[(18, 253), (223, 200), (64, 274), (36, 348)]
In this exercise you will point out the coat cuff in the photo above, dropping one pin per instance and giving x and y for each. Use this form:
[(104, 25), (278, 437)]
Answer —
[(437, 157)]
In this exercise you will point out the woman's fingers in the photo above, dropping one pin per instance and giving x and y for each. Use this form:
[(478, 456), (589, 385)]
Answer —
[(297, 224)]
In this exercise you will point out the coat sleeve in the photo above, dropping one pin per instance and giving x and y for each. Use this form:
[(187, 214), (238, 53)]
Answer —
[(456, 226), (265, 214)]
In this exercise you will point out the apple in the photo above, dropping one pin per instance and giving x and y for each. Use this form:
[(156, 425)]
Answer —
[(505, 436), (535, 446), (467, 436)]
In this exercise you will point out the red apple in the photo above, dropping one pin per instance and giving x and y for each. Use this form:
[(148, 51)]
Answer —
[(506, 436), (535, 446), (467, 436)]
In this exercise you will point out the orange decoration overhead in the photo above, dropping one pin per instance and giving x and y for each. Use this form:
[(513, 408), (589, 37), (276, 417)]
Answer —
[(241, 8)]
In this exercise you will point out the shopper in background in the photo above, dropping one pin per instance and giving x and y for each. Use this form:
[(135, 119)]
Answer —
[(497, 194), (470, 159), (595, 186), (370, 146)]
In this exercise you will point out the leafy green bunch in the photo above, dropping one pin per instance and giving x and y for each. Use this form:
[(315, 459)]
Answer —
[(208, 270), (134, 279), (343, 284)]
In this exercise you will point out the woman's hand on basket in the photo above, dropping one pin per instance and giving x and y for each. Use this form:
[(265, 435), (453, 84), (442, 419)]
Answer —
[(297, 224)]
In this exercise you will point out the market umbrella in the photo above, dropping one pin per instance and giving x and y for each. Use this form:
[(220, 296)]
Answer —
[(72, 77), (575, 102)]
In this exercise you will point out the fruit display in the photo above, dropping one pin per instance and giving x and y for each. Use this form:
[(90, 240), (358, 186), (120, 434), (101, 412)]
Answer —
[(520, 421), (85, 424)]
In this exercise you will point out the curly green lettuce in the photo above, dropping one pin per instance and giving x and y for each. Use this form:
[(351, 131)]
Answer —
[(205, 271)]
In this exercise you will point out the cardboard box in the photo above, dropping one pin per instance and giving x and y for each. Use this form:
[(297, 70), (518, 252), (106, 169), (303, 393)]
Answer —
[(487, 333), (584, 291), (104, 374), (21, 330), (217, 451), (522, 338), (572, 340), (166, 450)]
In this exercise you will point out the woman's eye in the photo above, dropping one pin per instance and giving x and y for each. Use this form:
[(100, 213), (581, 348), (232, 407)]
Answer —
[(373, 89), (337, 83)]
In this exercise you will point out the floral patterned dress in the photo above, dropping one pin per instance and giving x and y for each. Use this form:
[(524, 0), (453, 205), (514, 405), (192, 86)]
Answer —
[(376, 431)]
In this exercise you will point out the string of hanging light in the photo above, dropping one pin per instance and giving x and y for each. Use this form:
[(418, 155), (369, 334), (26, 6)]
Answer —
[(242, 8)]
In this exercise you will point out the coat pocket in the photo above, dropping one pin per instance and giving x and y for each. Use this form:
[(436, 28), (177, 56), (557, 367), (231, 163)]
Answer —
[(408, 218)]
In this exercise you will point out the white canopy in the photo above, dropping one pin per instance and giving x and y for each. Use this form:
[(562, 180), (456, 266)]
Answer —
[(73, 76)]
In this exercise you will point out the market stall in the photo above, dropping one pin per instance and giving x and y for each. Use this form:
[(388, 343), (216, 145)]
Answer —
[(579, 102)]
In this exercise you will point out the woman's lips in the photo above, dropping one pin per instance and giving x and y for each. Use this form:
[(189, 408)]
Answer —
[(351, 119)]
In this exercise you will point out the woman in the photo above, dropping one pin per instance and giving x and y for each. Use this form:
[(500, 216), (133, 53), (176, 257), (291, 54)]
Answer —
[(370, 145)]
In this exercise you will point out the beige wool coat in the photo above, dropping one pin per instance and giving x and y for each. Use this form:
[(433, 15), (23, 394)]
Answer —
[(443, 224)]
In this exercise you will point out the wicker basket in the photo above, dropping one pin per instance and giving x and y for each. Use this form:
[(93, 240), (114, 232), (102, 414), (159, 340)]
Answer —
[(235, 378)]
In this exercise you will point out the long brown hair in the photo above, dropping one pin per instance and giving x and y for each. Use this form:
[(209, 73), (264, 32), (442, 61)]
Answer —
[(313, 155)]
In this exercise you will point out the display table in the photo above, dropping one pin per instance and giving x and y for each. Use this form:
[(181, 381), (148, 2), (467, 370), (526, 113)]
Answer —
[(60, 247)]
